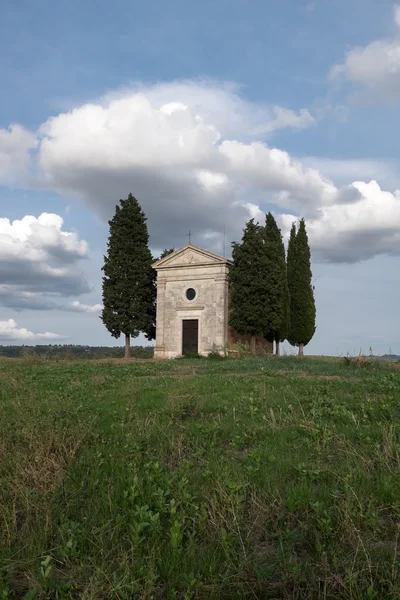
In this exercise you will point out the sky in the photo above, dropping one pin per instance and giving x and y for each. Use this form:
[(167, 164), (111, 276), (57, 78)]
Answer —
[(210, 114)]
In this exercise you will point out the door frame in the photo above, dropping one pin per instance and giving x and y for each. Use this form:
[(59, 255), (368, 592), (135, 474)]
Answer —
[(191, 318)]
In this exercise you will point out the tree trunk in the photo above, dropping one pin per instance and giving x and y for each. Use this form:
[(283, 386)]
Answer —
[(127, 346), (269, 346), (301, 349), (253, 344), (277, 348)]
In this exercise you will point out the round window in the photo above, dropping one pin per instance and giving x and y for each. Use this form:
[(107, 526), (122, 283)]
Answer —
[(190, 294)]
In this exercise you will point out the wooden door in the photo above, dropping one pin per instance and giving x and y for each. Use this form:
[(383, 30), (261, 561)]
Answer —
[(190, 336)]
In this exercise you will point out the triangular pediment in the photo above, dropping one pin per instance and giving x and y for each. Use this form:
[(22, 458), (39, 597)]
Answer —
[(189, 255)]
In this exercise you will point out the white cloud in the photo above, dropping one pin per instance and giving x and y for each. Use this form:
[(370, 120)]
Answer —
[(15, 146), (222, 105), (9, 331), (189, 152), (37, 256), (396, 9), (344, 170), (285, 118), (169, 144), (212, 181), (38, 238), (285, 180), (77, 306), (355, 231), (167, 155), (375, 66)]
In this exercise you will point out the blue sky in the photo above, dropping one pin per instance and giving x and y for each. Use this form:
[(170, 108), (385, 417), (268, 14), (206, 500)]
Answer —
[(210, 113)]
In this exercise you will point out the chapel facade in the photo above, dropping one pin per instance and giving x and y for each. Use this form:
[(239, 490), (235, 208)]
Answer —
[(192, 303)]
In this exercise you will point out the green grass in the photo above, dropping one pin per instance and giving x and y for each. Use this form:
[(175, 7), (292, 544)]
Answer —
[(257, 478)]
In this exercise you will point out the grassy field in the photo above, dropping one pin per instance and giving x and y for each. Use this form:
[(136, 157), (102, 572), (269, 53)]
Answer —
[(257, 478)]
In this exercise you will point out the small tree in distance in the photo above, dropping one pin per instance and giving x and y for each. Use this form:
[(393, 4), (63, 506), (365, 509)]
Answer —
[(129, 290), (302, 303)]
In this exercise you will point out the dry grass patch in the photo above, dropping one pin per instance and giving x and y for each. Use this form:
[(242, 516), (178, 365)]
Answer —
[(100, 378), (33, 466)]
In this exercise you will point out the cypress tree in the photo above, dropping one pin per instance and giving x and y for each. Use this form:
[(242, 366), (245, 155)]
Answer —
[(129, 285), (246, 277), (277, 309), (302, 303), (166, 252)]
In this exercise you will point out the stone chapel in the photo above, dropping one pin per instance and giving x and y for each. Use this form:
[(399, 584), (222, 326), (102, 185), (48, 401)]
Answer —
[(192, 303)]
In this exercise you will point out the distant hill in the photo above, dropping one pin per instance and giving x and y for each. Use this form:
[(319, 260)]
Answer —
[(74, 351), (387, 357)]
